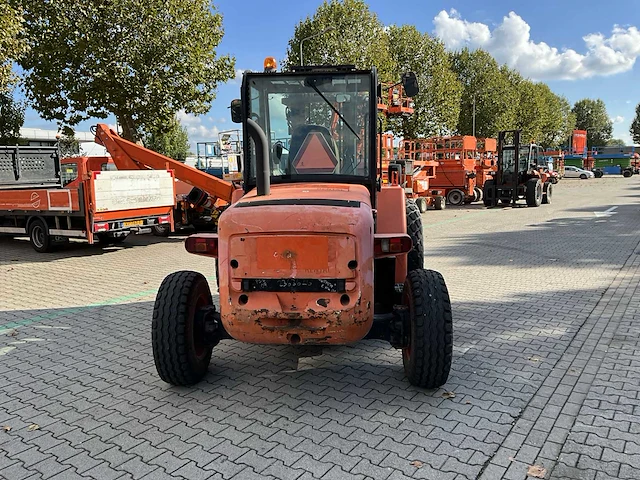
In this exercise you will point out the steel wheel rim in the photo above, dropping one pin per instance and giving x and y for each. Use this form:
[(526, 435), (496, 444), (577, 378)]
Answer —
[(37, 236)]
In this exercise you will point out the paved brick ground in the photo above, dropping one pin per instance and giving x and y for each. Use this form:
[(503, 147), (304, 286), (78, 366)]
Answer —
[(545, 367)]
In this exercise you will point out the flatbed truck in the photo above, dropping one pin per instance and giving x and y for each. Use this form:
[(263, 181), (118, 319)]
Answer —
[(51, 200)]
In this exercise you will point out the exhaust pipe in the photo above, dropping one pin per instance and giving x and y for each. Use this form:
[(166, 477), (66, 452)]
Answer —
[(263, 173)]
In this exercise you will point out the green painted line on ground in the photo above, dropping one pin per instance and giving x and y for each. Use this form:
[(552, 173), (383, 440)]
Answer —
[(65, 311)]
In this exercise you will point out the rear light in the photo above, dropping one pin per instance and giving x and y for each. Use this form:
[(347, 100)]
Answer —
[(205, 244), (100, 227), (391, 245), (164, 219)]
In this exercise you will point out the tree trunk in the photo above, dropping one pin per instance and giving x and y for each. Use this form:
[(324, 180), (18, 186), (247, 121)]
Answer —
[(129, 131)]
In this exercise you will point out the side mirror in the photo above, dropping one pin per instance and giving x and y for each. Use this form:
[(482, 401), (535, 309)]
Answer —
[(236, 111), (410, 84)]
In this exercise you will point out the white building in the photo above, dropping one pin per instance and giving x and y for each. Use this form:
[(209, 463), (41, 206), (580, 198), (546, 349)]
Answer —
[(47, 138)]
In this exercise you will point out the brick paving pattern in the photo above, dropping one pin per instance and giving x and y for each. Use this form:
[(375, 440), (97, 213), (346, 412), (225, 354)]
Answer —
[(544, 373)]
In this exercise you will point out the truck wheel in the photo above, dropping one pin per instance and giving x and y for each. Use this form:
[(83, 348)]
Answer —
[(180, 353), (439, 203), (427, 358), (415, 258), (487, 194), (455, 197), (627, 173), (534, 192), (548, 193), (161, 230), (598, 173), (477, 197), (422, 204), (39, 236)]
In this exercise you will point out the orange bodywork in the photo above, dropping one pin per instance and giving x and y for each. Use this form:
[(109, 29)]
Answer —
[(131, 156), (300, 245), (455, 158)]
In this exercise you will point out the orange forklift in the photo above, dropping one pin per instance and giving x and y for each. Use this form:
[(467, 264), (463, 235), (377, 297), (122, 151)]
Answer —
[(520, 174), (314, 249)]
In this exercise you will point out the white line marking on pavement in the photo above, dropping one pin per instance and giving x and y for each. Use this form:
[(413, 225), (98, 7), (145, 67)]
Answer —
[(607, 213), (5, 350)]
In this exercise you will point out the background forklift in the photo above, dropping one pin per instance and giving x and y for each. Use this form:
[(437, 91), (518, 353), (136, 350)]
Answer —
[(314, 250), (519, 174)]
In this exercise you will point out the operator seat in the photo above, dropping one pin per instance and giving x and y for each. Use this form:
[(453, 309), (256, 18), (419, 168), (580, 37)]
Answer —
[(300, 133)]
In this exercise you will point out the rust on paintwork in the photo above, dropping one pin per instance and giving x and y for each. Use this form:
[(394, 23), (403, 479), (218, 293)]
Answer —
[(311, 242)]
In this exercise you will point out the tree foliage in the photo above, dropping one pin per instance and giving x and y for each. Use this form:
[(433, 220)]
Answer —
[(356, 37), (591, 115), (11, 43), (635, 126), (171, 141), (437, 105), (491, 87), (616, 142), (140, 60), (11, 118)]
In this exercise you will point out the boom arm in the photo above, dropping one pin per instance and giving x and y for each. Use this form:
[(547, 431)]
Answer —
[(130, 156)]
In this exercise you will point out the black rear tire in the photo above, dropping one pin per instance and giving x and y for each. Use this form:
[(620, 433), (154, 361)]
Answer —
[(415, 258), (180, 353), (548, 193), (455, 197), (39, 236), (161, 230), (439, 203), (534, 192), (427, 358), (487, 194), (627, 173)]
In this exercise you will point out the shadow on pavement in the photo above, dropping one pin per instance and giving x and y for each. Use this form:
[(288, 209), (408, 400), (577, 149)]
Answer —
[(591, 240), (19, 250)]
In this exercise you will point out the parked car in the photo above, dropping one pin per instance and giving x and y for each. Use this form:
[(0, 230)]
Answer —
[(575, 172)]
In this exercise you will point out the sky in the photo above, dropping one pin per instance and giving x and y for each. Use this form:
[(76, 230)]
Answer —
[(581, 49)]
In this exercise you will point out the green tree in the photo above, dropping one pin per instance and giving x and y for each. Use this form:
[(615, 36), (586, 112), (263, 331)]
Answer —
[(635, 126), (171, 141), (493, 90), (11, 118), (591, 115), (557, 119), (437, 105), (616, 142), (11, 43), (356, 37), (140, 60)]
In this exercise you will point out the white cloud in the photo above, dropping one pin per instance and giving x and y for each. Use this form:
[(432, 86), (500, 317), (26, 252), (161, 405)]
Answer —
[(618, 119), (510, 43), (196, 129)]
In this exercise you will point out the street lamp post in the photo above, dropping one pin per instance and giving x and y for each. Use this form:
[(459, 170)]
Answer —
[(312, 36), (474, 115)]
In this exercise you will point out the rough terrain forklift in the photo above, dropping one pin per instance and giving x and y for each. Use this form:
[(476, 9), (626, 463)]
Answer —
[(314, 250), (519, 174)]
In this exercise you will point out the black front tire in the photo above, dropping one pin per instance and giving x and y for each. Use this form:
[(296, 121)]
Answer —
[(39, 236), (534, 192), (180, 352), (415, 258), (427, 358), (439, 203), (548, 193), (627, 173), (422, 204)]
